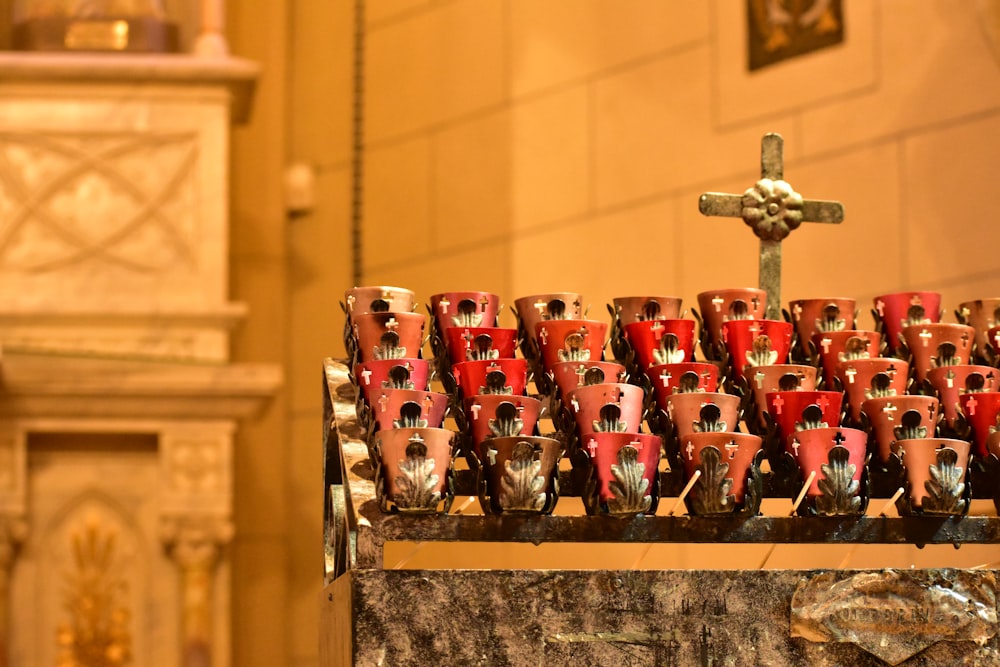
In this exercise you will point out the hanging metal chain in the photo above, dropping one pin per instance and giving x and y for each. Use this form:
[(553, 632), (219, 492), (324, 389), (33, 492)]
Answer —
[(357, 143)]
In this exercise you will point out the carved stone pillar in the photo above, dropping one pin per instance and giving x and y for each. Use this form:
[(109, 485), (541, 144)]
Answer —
[(13, 531), (195, 544)]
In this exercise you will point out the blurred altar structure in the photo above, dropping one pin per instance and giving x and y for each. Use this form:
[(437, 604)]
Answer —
[(513, 146), (120, 400)]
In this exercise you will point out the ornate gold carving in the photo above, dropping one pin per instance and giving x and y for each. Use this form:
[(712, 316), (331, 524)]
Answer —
[(86, 198), (97, 633)]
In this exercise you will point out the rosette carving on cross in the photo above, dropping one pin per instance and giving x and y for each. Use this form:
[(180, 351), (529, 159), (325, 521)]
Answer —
[(772, 209)]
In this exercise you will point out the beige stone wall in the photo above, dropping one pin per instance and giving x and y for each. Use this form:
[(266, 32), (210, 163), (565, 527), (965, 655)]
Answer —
[(524, 146)]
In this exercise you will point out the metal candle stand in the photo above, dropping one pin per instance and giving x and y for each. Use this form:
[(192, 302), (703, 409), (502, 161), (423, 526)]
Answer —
[(518, 490)]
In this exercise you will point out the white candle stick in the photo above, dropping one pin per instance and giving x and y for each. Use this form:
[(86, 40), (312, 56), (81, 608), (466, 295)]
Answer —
[(802, 493), (687, 490), (892, 501)]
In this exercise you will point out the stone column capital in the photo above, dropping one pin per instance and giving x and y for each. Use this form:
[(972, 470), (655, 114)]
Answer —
[(196, 541)]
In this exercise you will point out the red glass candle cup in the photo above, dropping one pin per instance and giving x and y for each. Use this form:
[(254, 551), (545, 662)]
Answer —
[(734, 450), (982, 315), (464, 309), (901, 309), (588, 403), (756, 342), (938, 344), (811, 316), (811, 449), (786, 408), (695, 376), (837, 346), (625, 466), (568, 375), (763, 380), (477, 343), (391, 374), (378, 298), (657, 342), (415, 465), (480, 377), (519, 473), (531, 310), (388, 407), (638, 308), (980, 410), (685, 412), (718, 306), (570, 340), (919, 457), (388, 335), (886, 415), (870, 378), (951, 381), (484, 422)]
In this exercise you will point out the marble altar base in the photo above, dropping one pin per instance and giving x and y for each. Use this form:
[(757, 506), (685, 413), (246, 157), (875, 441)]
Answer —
[(573, 617)]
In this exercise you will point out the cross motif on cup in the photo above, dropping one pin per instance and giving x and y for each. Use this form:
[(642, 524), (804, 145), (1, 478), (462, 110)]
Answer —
[(825, 344), (839, 439), (383, 400), (690, 450), (366, 375), (428, 402), (483, 303), (754, 329), (759, 377), (965, 339), (492, 453), (544, 335), (926, 335), (637, 444), (541, 306), (795, 447), (797, 311), (657, 328), (880, 307), (392, 324), (823, 403), (444, 303), (950, 377), (665, 378), (581, 371), (732, 448), (592, 446), (971, 405), (931, 409), (476, 407), (778, 402), (773, 209), (916, 300), (850, 373), (718, 301), (890, 411)]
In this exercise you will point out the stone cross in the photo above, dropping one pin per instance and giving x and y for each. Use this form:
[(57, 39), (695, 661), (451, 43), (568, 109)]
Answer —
[(773, 209)]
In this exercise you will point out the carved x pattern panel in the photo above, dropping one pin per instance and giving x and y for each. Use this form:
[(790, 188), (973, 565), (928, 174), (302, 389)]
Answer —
[(72, 200)]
